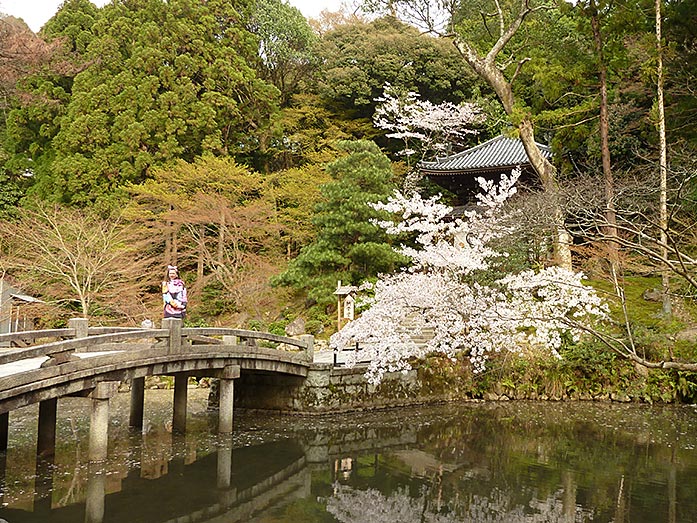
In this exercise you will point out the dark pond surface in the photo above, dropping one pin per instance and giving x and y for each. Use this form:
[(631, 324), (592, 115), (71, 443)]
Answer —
[(475, 462)]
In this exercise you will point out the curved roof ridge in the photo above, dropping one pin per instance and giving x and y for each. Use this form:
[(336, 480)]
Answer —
[(500, 151)]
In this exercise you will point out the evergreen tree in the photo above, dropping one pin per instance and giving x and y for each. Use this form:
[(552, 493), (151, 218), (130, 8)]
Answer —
[(349, 246), (359, 58), (164, 81)]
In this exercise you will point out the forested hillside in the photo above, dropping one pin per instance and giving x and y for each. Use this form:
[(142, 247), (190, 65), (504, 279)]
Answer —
[(249, 146)]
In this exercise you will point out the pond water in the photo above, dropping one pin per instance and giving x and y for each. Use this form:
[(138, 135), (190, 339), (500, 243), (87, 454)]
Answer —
[(475, 462)]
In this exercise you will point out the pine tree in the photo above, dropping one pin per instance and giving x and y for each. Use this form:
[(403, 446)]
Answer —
[(349, 246)]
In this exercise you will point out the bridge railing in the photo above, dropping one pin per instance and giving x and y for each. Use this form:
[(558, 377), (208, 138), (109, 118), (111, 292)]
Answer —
[(253, 339), (26, 338), (79, 337), (20, 339)]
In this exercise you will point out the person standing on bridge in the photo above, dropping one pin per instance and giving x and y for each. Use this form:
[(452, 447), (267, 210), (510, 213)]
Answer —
[(174, 294)]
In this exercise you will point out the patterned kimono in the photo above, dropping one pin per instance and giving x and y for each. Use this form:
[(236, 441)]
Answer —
[(174, 298)]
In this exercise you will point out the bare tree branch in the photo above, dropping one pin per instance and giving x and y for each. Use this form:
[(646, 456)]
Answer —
[(64, 255)]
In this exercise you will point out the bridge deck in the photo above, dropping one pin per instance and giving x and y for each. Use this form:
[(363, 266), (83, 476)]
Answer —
[(8, 369)]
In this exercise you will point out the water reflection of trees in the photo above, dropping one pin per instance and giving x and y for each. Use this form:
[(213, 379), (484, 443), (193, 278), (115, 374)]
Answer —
[(517, 462), (349, 505), (603, 455), (561, 462)]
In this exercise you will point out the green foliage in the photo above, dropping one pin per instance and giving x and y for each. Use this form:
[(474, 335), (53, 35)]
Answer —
[(305, 133), (192, 321), (72, 24), (361, 57), (255, 325), (314, 327), (348, 246), (622, 28), (10, 195), (315, 314), (553, 66), (165, 80), (680, 19), (277, 327), (358, 58), (588, 371), (686, 386), (653, 332), (293, 195), (214, 301)]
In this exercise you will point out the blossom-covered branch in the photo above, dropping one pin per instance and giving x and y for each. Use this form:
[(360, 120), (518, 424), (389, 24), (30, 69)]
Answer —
[(434, 127)]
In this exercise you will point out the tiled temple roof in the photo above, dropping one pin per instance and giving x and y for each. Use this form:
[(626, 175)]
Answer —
[(493, 154)]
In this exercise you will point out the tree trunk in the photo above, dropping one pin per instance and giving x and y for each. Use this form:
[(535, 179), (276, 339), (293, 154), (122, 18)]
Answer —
[(548, 175), (168, 243), (486, 68), (201, 255), (663, 164), (171, 247), (610, 228), (175, 244), (221, 241)]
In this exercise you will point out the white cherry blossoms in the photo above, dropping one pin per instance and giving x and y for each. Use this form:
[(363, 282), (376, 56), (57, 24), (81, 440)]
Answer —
[(438, 305), (415, 121)]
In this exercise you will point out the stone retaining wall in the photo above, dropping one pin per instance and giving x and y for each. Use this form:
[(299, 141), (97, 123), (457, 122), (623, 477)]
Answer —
[(329, 389)]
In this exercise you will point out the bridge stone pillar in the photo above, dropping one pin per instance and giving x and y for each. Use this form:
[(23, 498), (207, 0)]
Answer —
[(4, 433), (181, 390), (135, 419), (4, 430), (227, 495), (46, 441), (96, 490), (174, 326), (227, 397), (45, 455), (224, 463), (3, 473), (43, 486), (99, 420)]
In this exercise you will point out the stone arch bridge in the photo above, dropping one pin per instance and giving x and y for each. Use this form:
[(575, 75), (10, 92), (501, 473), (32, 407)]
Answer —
[(93, 361)]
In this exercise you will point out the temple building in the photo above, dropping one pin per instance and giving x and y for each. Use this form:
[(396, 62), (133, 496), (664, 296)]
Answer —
[(458, 172)]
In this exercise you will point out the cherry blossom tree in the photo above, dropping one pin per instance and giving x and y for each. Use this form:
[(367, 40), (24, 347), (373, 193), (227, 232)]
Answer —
[(424, 127), (443, 291)]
